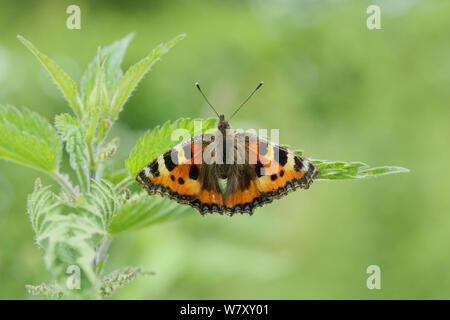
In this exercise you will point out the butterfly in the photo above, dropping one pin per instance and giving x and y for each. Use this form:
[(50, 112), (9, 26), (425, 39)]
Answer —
[(227, 171)]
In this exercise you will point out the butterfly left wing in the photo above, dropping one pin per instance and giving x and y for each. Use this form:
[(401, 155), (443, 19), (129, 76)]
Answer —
[(175, 174), (182, 175)]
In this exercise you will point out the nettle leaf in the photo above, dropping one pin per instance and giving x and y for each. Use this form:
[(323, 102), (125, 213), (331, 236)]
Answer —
[(62, 80), (71, 239), (142, 210), (341, 170), (134, 75), (119, 278), (96, 104), (73, 132), (71, 242), (67, 234), (109, 173), (114, 54), (101, 202), (159, 140), (28, 139), (42, 205)]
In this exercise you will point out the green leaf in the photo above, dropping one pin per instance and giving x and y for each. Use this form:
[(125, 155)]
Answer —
[(119, 278), (114, 54), (134, 75), (341, 170), (96, 104), (28, 139), (42, 205), (110, 173), (67, 234), (101, 202), (142, 210), (381, 171), (71, 241), (158, 141), (73, 132), (61, 79)]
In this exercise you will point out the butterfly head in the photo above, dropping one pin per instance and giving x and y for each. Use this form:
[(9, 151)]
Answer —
[(223, 124)]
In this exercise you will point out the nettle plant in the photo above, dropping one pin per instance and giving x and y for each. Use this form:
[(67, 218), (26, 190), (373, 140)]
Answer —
[(75, 223)]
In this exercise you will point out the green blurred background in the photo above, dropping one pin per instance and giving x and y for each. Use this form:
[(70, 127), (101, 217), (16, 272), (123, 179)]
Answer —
[(336, 89)]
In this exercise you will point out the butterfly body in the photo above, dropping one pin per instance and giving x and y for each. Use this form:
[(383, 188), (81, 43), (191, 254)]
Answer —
[(226, 172)]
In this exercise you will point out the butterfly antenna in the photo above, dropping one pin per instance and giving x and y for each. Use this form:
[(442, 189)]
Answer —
[(206, 99), (243, 103)]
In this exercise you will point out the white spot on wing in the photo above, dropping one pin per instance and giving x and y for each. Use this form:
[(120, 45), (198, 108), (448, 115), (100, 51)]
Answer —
[(181, 158), (305, 165), (162, 166)]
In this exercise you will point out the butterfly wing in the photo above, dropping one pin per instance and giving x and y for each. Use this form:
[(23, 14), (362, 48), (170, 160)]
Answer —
[(242, 195), (210, 197), (279, 170), (182, 175), (174, 174), (269, 172)]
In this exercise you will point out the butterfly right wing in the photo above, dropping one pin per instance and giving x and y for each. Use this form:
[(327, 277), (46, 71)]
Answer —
[(279, 170), (269, 172)]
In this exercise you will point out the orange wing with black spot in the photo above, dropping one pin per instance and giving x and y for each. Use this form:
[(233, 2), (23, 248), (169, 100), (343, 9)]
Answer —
[(279, 170), (263, 171), (269, 172), (182, 175), (173, 174)]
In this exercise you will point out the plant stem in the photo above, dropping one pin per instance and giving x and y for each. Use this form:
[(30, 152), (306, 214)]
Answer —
[(100, 255), (122, 184), (83, 177), (92, 164)]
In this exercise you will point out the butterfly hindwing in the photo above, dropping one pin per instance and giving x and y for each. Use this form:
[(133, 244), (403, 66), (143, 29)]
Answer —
[(243, 197), (210, 198)]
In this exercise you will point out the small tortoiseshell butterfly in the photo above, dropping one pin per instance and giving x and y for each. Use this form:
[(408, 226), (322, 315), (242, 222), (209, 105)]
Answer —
[(253, 171)]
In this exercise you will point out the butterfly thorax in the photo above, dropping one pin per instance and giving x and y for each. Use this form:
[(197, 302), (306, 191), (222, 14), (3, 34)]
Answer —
[(223, 125)]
